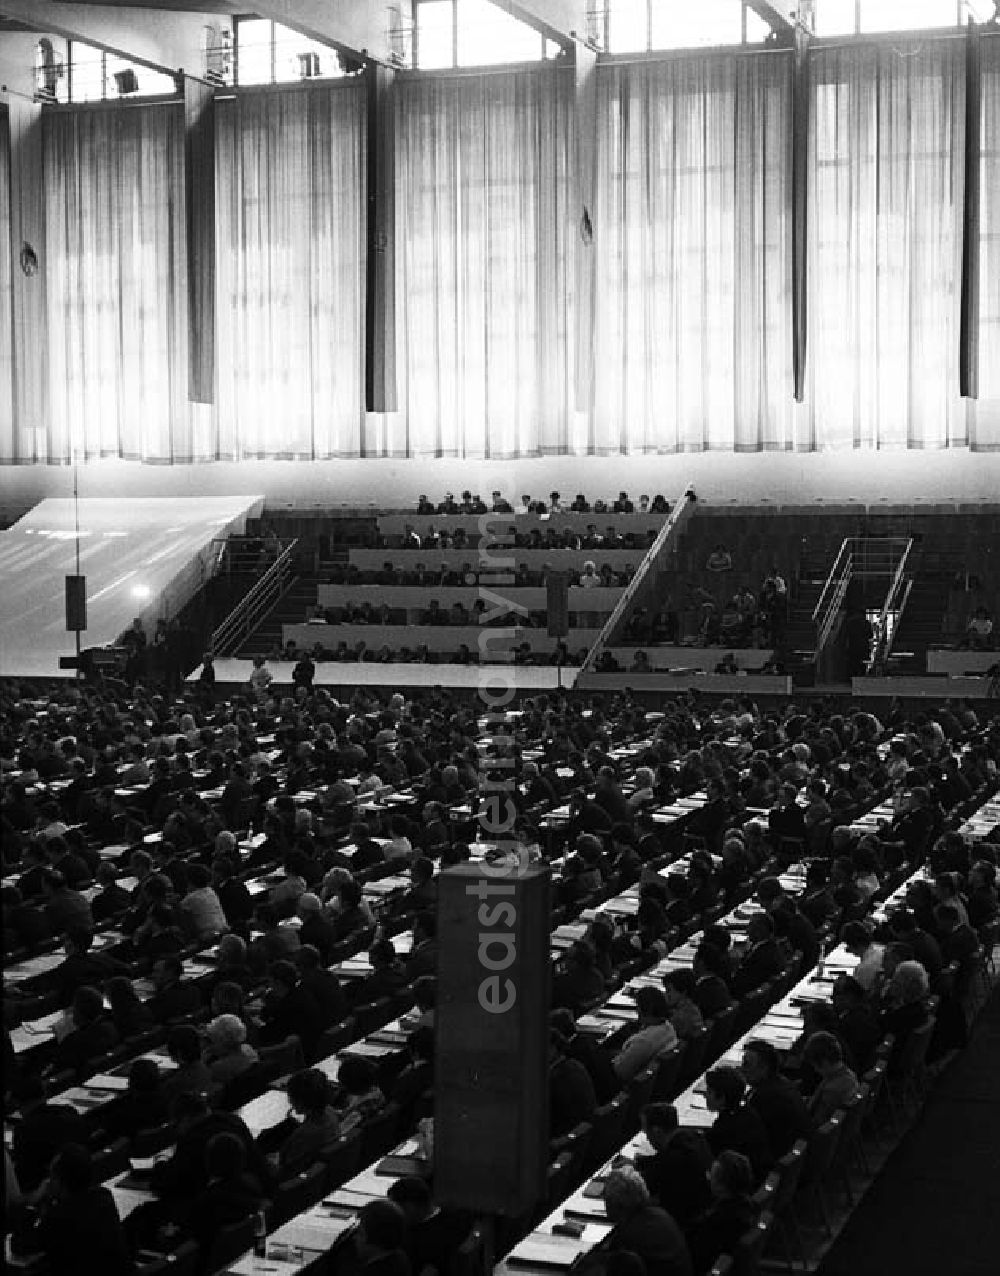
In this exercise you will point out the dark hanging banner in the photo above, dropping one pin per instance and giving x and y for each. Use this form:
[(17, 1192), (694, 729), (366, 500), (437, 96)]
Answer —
[(800, 179), (380, 308), (968, 355), (199, 203)]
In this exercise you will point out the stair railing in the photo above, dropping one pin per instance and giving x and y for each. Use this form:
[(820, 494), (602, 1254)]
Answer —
[(894, 604), (834, 591), (256, 603), (680, 512)]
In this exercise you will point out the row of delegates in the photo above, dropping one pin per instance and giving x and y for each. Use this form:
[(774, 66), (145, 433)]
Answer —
[(473, 504)]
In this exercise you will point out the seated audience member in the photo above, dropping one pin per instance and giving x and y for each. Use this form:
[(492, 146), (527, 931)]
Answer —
[(82, 965), (379, 1242), (411, 1089), (387, 977), (184, 1175), (838, 1085), (231, 1193), (904, 1007), (77, 1226), (191, 1074), (571, 1092), (776, 1101), (361, 1097), (762, 960), (643, 1228), (731, 1214), (234, 898), (433, 1234), (423, 955), (226, 1051), (318, 1128), (92, 1034), (275, 943), (316, 928), (654, 1036), (711, 991), (231, 964), (289, 1009), (64, 906), (857, 939), (857, 1023), (594, 1056), (43, 1129), (581, 983), (737, 1127), (140, 1107), (679, 987), (201, 912), (677, 1172), (129, 1015), (111, 900), (321, 984), (175, 997)]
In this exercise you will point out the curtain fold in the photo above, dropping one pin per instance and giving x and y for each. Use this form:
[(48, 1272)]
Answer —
[(483, 265), (885, 245), (989, 226), (694, 255), (6, 297), (115, 285), (289, 179)]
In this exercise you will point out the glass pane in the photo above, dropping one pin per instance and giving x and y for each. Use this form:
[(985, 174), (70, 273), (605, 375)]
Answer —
[(835, 17), (552, 48), (757, 29), (88, 72), (684, 26), (890, 15), (150, 83), (627, 26), (435, 42), (253, 51), (487, 35), (296, 57)]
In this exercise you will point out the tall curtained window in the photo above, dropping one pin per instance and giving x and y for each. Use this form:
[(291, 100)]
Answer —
[(483, 269), (115, 270), (989, 288), (290, 305), (6, 299), (692, 342), (885, 245)]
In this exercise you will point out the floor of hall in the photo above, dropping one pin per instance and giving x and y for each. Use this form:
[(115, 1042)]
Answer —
[(933, 1209)]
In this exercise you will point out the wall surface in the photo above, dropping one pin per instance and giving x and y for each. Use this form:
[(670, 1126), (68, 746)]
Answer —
[(779, 478)]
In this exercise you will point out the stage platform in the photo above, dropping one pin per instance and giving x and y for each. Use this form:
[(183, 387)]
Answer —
[(141, 557)]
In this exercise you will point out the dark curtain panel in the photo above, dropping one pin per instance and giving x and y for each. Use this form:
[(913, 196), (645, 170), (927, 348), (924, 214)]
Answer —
[(199, 195), (380, 309), (968, 359)]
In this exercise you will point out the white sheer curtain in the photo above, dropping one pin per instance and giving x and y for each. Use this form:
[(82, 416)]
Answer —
[(989, 290), (885, 245), (115, 285), (483, 265), (6, 300), (693, 325), (290, 304)]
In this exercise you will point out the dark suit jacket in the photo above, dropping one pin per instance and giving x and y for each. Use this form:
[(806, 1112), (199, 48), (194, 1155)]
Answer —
[(85, 1043), (655, 1237), (676, 1177), (184, 1175), (762, 962), (718, 1231), (784, 1113), (39, 1137), (742, 1130), (82, 1236)]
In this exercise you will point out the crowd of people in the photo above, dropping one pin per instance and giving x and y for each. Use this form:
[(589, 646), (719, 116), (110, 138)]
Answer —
[(85, 769)]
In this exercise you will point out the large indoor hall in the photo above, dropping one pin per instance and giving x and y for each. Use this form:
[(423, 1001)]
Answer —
[(499, 677)]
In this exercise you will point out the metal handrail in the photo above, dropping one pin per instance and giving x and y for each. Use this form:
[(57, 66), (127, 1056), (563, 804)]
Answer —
[(894, 586), (679, 514), (255, 603), (832, 578)]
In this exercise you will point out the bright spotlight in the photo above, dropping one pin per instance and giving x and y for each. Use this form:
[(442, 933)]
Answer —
[(141, 591)]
